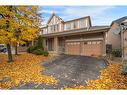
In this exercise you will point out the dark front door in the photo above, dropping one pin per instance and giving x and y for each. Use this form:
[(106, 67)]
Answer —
[(50, 43), (61, 46)]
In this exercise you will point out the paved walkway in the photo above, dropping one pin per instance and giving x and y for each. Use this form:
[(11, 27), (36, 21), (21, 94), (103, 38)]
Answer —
[(69, 70)]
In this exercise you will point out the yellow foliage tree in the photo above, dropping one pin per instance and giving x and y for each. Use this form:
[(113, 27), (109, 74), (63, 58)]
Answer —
[(18, 24)]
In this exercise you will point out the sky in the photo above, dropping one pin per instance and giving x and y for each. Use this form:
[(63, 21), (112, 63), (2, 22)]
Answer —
[(100, 15)]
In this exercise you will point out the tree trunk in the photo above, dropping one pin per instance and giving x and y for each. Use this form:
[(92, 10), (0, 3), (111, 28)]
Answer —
[(16, 49), (9, 53)]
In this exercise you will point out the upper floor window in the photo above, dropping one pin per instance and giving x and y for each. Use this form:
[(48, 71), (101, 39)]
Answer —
[(68, 26), (75, 24), (56, 27), (82, 23), (53, 28)]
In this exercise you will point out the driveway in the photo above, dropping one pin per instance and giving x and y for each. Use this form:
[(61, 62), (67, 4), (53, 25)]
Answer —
[(70, 70)]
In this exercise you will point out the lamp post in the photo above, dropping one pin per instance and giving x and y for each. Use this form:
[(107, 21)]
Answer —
[(124, 28)]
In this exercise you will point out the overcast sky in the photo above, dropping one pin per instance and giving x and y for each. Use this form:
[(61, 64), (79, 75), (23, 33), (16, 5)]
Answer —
[(100, 15)]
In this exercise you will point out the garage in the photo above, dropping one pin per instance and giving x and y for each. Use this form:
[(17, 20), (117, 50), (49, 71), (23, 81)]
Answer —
[(72, 48), (86, 48), (92, 48)]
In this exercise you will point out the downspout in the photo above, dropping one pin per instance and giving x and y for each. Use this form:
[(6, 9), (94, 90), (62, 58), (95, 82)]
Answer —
[(124, 28), (122, 40), (123, 43)]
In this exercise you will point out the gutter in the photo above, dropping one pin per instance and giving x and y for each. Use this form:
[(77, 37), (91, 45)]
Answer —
[(73, 32)]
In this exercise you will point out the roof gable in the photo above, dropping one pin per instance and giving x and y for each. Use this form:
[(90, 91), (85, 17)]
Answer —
[(54, 19)]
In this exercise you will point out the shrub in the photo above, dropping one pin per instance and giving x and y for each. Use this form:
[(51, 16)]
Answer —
[(38, 52), (124, 69), (30, 49), (40, 42), (45, 53), (117, 52)]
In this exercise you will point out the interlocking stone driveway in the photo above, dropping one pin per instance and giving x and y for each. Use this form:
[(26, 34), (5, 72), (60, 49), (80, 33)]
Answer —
[(69, 70)]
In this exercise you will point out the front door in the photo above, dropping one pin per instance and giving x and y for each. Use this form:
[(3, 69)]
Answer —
[(61, 46), (50, 43)]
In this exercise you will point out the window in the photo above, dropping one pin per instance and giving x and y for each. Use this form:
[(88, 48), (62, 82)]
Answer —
[(98, 42), (82, 23), (89, 42), (56, 27), (75, 24), (68, 26), (53, 28)]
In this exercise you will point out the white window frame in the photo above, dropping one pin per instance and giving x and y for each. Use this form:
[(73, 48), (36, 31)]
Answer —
[(67, 26), (82, 23), (75, 24)]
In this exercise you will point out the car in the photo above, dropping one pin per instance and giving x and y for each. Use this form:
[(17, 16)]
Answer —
[(3, 48)]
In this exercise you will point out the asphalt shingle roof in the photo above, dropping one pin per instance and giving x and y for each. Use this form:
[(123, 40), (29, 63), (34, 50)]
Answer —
[(120, 20)]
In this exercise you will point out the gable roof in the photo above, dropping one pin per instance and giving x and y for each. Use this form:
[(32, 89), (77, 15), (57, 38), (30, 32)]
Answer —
[(80, 18), (120, 20), (53, 14)]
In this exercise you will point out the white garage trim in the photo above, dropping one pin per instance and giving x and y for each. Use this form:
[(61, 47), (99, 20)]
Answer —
[(79, 40), (93, 39)]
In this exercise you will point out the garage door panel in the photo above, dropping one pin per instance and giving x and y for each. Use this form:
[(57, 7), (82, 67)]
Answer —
[(72, 48), (92, 48)]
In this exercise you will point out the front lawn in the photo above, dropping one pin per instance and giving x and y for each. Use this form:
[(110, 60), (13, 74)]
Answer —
[(25, 68)]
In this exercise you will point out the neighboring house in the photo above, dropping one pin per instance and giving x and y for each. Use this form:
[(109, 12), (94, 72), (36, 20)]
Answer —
[(75, 37), (118, 35)]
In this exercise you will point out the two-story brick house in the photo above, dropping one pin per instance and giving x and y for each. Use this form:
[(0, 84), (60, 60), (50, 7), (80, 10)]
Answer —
[(75, 37)]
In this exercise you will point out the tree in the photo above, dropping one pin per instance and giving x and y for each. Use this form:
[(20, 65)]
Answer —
[(17, 25)]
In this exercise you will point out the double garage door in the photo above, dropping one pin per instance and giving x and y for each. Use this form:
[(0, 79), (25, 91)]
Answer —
[(87, 48)]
